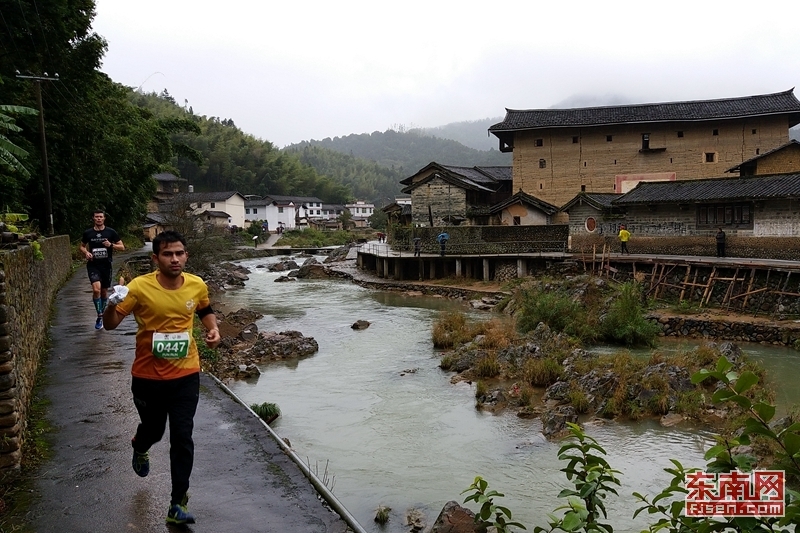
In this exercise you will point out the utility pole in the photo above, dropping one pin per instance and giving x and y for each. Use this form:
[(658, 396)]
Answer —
[(37, 80)]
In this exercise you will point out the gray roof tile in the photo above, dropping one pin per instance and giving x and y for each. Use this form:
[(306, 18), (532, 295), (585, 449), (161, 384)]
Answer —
[(696, 110), (716, 189)]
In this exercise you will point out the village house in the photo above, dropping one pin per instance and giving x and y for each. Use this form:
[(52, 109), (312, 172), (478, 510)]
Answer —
[(167, 187), (287, 212), (781, 160), (522, 209), (594, 213), (360, 212), (451, 195), (218, 209), (558, 153)]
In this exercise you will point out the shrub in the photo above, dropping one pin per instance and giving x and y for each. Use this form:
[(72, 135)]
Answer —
[(487, 367), (542, 372), (559, 312), (450, 330), (625, 322)]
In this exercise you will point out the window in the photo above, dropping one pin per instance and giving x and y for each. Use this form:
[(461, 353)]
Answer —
[(715, 132), (724, 215), (255, 210), (754, 131), (583, 188), (199, 205), (246, 210), (280, 210), (542, 163), (575, 140), (590, 224), (709, 157), (213, 205), (539, 142), (645, 141), (517, 221), (541, 185), (680, 134), (758, 151), (608, 138)]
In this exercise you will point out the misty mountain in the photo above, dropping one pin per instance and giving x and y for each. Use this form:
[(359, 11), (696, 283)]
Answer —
[(472, 133), (794, 133), (407, 151)]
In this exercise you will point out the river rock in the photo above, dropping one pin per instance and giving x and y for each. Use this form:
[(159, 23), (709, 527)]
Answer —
[(248, 371), (554, 421), (481, 305), (281, 279), (249, 332), (283, 266), (313, 271), (671, 419), (456, 519), (360, 324), (284, 345)]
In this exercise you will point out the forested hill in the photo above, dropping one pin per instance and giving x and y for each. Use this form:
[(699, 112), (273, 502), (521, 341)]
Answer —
[(471, 133), (407, 152), (234, 160)]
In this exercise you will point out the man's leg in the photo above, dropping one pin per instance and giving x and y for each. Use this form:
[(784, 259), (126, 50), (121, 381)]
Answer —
[(150, 401), (184, 395)]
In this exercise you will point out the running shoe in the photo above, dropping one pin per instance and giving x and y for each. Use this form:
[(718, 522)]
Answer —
[(141, 463), (98, 323), (178, 514)]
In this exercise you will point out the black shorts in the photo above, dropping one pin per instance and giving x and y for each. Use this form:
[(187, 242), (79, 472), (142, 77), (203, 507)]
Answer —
[(99, 271)]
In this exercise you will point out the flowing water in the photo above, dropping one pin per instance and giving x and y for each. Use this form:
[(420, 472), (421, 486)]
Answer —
[(373, 413)]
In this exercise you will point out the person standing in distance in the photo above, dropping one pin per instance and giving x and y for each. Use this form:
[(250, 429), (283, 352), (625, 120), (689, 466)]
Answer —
[(166, 368), (97, 245), (720, 238), (624, 237)]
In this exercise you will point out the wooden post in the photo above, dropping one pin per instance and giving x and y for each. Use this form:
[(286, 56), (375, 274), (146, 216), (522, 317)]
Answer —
[(707, 293), (685, 280)]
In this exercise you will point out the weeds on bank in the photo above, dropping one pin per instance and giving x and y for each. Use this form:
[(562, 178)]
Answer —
[(315, 238), (593, 479), (451, 329)]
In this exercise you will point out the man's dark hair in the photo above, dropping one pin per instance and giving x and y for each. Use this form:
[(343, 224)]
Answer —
[(167, 237), (98, 211)]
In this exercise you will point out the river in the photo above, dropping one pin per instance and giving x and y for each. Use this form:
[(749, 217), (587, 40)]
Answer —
[(373, 413)]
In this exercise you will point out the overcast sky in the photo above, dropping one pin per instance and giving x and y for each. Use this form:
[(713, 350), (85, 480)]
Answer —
[(289, 71)]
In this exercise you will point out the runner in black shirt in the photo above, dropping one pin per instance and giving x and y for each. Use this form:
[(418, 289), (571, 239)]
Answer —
[(98, 244)]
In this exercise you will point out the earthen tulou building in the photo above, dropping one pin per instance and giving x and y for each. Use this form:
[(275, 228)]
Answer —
[(558, 153)]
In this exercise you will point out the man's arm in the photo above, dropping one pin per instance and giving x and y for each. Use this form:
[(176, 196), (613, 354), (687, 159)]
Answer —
[(212, 335), (118, 246), (86, 253), (111, 318)]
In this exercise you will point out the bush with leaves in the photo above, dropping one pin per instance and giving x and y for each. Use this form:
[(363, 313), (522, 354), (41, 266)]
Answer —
[(624, 323), (593, 479)]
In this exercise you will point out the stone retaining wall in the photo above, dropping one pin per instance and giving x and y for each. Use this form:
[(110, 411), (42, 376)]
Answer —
[(766, 333), (27, 290)]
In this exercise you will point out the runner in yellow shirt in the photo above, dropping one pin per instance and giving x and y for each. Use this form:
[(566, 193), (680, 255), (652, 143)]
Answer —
[(166, 369)]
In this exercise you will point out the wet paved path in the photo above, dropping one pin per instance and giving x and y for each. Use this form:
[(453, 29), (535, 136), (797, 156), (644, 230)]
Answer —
[(242, 480)]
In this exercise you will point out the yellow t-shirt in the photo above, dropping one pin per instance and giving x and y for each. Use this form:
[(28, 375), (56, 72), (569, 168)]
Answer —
[(160, 310), (624, 235)]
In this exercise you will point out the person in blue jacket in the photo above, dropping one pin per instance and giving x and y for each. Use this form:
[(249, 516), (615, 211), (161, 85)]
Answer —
[(442, 239)]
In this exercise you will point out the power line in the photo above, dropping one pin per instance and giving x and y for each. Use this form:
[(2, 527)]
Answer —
[(44, 34), (30, 33)]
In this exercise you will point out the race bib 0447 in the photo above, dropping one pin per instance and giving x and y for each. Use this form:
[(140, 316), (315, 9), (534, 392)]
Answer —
[(171, 345)]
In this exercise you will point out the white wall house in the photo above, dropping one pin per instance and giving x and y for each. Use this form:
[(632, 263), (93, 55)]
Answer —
[(212, 204), (287, 211), (360, 209)]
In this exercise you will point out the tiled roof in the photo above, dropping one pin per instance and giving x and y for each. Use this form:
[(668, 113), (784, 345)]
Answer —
[(716, 189), (207, 196), (697, 110), (166, 176), (293, 199), (256, 203), (743, 163), (525, 198), (598, 200), (217, 214), (485, 179)]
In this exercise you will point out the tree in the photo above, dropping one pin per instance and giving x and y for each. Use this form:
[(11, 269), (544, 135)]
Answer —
[(345, 219), (12, 171)]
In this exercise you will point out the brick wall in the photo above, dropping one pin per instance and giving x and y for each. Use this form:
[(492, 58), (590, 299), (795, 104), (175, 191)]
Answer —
[(593, 162), (27, 290)]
